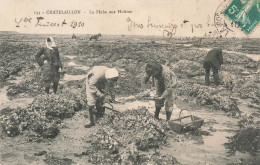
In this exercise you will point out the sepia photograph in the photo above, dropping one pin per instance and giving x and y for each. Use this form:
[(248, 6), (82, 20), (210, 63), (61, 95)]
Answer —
[(129, 82)]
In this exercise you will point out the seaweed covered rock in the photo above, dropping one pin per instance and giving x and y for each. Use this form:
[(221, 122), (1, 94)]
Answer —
[(74, 71), (10, 122), (191, 54), (53, 105), (186, 68), (41, 118), (211, 96), (31, 84), (75, 84), (205, 95), (124, 137), (227, 104), (231, 58), (14, 57), (131, 77), (248, 88), (246, 140), (227, 78), (158, 158)]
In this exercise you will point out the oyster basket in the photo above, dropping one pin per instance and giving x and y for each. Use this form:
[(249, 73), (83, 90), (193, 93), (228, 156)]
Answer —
[(178, 126)]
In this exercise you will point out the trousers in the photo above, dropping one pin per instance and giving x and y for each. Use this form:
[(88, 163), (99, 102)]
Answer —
[(208, 65)]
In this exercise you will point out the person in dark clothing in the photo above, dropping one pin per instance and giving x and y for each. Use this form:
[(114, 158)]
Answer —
[(165, 81), (50, 64), (74, 36), (213, 60)]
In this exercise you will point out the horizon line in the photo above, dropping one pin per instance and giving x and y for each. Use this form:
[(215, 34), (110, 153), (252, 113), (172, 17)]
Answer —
[(174, 36)]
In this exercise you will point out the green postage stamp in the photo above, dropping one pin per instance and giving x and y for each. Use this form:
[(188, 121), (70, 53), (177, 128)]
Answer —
[(245, 13)]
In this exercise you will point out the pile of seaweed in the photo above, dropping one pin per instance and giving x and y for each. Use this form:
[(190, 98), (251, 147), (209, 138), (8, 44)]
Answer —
[(14, 57), (30, 85), (248, 88), (215, 97), (246, 140), (130, 137), (43, 117)]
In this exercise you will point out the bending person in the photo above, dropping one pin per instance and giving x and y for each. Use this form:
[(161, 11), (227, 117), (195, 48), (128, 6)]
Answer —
[(213, 60), (165, 82), (98, 79)]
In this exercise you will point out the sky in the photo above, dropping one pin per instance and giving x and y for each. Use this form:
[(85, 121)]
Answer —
[(148, 17)]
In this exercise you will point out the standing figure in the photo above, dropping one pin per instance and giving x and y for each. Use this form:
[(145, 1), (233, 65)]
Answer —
[(74, 36), (165, 82), (213, 60), (50, 64), (100, 81)]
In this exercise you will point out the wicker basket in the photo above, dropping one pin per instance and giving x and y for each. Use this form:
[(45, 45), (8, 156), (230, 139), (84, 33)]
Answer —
[(177, 125)]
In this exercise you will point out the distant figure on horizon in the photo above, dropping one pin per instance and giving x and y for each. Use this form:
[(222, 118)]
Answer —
[(74, 36), (213, 60), (50, 64), (95, 37)]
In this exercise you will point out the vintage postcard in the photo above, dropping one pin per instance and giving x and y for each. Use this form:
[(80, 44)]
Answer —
[(129, 82)]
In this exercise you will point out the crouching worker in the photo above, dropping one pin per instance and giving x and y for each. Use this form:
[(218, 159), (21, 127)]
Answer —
[(99, 79), (50, 64), (213, 60), (165, 82)]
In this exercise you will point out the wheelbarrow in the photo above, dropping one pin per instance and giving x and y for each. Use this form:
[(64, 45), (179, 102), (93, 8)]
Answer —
[(178, 126)]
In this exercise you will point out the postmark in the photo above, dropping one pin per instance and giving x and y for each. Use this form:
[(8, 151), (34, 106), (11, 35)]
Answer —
[(245, 13), (224, 27)]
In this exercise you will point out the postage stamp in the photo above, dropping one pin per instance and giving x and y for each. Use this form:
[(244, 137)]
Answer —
[(224, 27), (245, 13)]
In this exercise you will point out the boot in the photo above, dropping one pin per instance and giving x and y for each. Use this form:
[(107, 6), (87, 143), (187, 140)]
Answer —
[(207, 73), (215, 77), (102, 111), (216, 80), (91, 117), (157, 112), (55, 88), (98, 113), (47, 90), (207, 82), (168, 115)]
